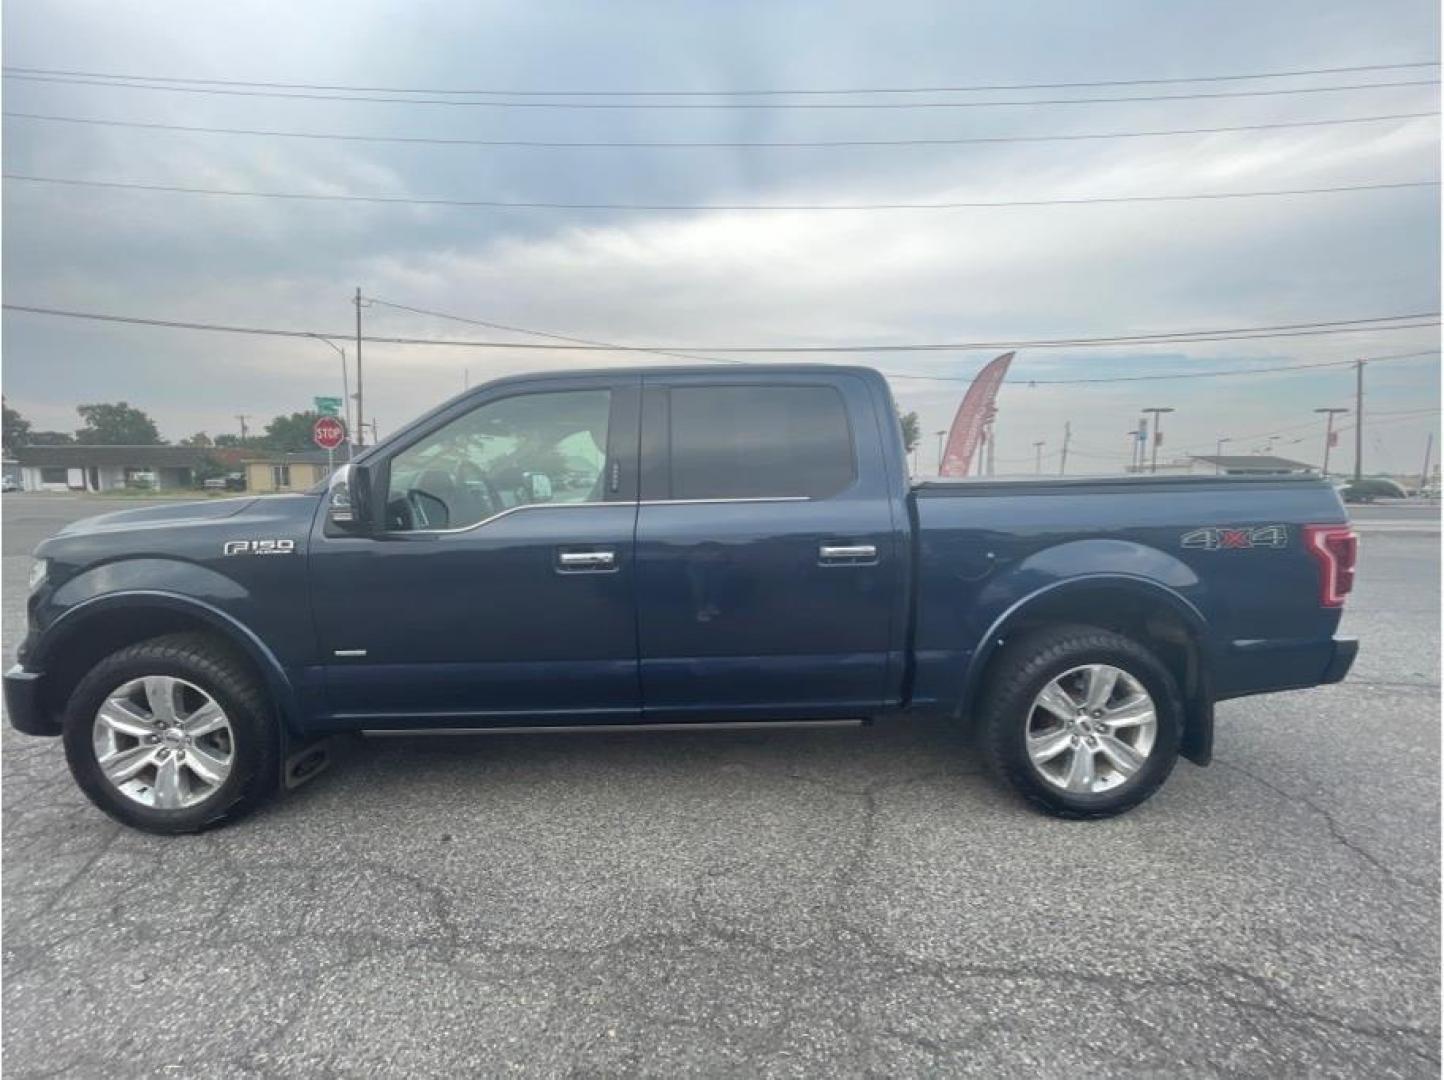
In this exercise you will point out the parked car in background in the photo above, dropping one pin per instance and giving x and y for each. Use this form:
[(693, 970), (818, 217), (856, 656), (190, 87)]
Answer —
[(674, 547), (9, 483), (1372, 487)]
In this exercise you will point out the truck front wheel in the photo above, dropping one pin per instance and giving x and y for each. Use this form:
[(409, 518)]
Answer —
[(1083, 722), (172, 735)]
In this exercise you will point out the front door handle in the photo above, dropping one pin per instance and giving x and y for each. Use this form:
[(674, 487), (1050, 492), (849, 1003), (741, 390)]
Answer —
[(847, 554), (582, 561)]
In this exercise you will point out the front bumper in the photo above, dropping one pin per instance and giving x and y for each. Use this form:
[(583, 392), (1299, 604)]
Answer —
[(1345, 649), (24, 703)]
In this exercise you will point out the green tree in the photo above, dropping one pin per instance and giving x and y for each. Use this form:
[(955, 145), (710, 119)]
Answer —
[(200, 438), (910, 431), (228, 440), (291, 433), (208, 468), (16, 429), (51, 438), (116, 424)]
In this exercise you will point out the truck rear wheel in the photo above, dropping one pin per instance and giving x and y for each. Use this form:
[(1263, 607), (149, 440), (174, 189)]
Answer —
[(1083, 722), (172, 735)]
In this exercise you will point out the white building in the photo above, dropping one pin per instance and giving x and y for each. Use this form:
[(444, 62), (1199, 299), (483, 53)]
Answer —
[(108, 468)]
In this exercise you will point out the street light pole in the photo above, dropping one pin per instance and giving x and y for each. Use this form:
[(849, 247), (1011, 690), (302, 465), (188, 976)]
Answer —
[(1133, 449), (1218, 453), (360, 415), (941, 435), (345, 384), (1038, 450), (1328, 435), (1157, 433)]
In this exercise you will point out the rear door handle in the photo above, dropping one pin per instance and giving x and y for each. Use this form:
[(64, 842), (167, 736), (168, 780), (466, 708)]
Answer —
[(847, 554), (586, 561)]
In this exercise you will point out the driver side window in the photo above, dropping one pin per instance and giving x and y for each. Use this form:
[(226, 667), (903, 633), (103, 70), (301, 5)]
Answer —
[(531, 448)]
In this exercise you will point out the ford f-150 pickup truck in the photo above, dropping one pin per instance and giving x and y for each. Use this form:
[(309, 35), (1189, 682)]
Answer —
[(673, 547)]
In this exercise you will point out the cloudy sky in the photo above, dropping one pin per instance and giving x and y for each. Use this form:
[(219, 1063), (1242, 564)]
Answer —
[(734, 277)]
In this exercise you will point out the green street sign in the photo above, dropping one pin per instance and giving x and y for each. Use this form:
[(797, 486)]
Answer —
[(328, 406)]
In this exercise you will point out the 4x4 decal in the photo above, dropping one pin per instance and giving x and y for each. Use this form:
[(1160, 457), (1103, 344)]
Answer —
[(1223, 538)]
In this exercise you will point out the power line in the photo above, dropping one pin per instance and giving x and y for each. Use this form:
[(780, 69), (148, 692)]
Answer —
[(1294, 73), (1178, 375), (656, 145), (1176, 337), (545, 333), (712, 105), (1311, 425), (499, 204)]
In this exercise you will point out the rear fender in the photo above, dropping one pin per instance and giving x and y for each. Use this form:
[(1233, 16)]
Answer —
[(1160, 589)]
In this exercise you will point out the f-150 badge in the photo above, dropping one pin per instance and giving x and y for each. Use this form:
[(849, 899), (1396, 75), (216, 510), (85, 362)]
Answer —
[(259, 547), (1225, 539)]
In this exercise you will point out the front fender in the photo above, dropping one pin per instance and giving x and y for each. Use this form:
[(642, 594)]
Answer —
[(70, 625)]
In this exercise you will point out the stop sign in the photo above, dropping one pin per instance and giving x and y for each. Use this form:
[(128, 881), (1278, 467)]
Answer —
[(328, 432)]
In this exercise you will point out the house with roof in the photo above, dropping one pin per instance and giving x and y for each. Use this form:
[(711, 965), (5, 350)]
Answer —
[(277, 472), (82, 467), (1251, 465)]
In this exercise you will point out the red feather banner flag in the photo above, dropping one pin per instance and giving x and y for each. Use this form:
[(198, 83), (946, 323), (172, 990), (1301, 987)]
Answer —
[(974, 414)]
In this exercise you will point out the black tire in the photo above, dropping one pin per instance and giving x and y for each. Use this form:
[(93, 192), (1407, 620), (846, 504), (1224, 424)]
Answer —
[(1020, 673), (213, 667)]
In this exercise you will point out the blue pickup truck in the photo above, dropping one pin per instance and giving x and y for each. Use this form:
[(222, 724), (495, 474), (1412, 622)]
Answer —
[(673, 547)]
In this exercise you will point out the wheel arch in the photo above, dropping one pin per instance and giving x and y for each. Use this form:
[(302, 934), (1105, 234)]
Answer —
[(1140, 608), (95, 628)]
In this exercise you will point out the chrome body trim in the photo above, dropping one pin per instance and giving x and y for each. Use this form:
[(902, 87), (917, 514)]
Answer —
[(568, 505), (613, 729)]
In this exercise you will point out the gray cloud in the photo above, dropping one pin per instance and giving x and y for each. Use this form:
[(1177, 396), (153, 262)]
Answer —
[(722, 277)]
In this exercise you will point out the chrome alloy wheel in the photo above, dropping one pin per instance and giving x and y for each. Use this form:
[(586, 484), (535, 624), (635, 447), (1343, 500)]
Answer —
[(163, 742), (1091, 729)]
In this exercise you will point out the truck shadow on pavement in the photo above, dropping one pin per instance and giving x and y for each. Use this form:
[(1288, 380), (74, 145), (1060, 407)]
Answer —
[(376, 770)]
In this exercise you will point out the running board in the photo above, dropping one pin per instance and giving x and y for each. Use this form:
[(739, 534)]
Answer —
[(614, 729)]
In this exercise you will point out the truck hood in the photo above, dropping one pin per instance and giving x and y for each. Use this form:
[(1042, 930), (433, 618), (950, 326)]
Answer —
[(159, 516), (182, 528)]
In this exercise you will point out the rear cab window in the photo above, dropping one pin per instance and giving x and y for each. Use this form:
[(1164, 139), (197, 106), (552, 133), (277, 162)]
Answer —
[(754, 442)]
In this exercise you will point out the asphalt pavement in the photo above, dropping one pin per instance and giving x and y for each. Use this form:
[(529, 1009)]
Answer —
[(856, 902)]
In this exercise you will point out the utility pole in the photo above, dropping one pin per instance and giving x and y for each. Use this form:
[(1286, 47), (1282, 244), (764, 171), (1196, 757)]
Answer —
[(941, 435), (360, 415), (1329, 435), (1424, 472), (1358, 421), (1067, 437), (1133, 449), (243, 417), (1157, 433), (1038, 449)]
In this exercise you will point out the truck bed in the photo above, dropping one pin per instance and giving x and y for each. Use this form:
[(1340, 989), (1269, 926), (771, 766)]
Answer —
[(947, 487), (1231, 548)]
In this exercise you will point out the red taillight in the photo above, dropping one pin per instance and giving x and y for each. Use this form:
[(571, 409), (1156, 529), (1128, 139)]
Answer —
[(1336, 549)]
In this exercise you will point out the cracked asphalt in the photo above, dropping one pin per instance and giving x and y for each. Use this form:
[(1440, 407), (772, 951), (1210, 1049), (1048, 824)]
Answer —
[(849, 903)]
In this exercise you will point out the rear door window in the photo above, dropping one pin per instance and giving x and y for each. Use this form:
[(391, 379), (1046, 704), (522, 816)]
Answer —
[(749, 442)]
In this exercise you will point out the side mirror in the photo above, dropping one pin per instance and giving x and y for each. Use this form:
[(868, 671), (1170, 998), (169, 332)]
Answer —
[(348, 500)]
